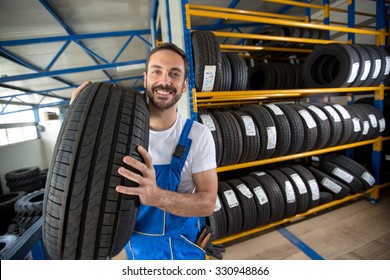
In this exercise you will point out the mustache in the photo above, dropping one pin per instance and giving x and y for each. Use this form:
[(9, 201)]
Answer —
[(161, 87)]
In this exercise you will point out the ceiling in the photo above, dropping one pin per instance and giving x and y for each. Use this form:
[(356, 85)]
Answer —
[(49, 47)]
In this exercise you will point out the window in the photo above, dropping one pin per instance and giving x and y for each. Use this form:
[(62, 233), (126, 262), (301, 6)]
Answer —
[(17, 124)]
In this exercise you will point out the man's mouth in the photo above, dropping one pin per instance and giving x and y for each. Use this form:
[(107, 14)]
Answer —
[(163, 90)]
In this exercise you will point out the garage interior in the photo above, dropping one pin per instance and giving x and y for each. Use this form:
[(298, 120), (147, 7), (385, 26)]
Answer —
[(48, 48)]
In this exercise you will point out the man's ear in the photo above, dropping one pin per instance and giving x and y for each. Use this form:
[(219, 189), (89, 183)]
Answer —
[(185, 86), (144, 79)]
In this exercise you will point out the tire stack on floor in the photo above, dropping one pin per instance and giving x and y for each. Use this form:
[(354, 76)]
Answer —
[(264, 197)]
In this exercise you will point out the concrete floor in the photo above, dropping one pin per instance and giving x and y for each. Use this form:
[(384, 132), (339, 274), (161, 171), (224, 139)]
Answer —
[(357, 230)]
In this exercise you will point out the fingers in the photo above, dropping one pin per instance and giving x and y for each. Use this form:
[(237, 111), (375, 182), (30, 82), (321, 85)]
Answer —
[(147, 158), (79, 89)]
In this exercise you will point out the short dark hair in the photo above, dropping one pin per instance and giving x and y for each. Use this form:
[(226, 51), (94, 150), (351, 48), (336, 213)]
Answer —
[(171, 47)]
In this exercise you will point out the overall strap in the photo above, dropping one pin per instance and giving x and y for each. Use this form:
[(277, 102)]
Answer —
[(183, 147)]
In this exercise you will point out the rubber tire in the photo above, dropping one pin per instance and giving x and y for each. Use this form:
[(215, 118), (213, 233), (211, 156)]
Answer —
[(84, 217)]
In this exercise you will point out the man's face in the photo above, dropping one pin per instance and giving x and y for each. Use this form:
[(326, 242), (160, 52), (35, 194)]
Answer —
[(164, 80)]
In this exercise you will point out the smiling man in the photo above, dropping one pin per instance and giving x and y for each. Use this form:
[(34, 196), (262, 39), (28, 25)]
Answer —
[(178, 181)]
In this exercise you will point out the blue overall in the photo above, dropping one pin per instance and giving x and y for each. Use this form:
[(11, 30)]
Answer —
[(159, 235)]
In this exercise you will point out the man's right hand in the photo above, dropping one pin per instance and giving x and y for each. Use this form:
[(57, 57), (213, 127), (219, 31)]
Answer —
[(79, 89)]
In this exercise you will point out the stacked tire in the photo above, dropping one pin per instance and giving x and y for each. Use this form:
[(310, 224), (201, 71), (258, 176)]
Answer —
[(341, 65), (24, 179), (268, 196), (255, 132)]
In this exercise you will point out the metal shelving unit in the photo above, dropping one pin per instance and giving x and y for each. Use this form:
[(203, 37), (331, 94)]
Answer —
[(235, 98)]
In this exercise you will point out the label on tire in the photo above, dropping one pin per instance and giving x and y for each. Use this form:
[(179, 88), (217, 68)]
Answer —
[(290, 194), (378, 64), (275, 109), (245, 190), (373, 120), (366, 71), (366, 127), (354, 72), (209, 77), (318, 112), (231, 198), (368, 178), (271, 133), (315, 192), (326, 182), (208, 121), (310, 122), (333, 113), (249, 126), (217, 205), (387, 68), (342, 174), (342, 111), (382, 125), (260, 194), (299, 183), (356, 125)]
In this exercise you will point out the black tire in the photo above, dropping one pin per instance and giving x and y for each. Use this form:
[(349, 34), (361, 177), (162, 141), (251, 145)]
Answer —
[(325, 197), (300, 189), (24, 179), (310, 182), (7, 209), (283, 130), (206, 52), (267, 129), (341, 65), (232, 208), (274, 194), (6, 242), (365, 65), (231, 137), (336, 126), (330, 184), (354, 168), (290, 200), (346, 122), (84, 217), (262, 76), (340, 173), (261, 199), (250, 136), (323, 126), (31, 204), (310, 131), (218, 220), (226, 74), (247, 202), (239, 72), (212, 124), (361, 123), (296, 127)]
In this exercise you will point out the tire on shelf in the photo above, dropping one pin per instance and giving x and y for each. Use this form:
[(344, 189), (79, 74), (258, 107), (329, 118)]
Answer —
[(232, 208), (287, 189), (267, 129), (347, 123), (342, 65), (7, 209), (274, 194), (212, 124), (84, 217), (310, 130), (261, 199), (300, 189), (247, 202), (218, 220), (226, 83), (310, 182), (336, 126), (330, 184), (296, 127), (206, 52), (239, 72), (323, 126), (231, 137)]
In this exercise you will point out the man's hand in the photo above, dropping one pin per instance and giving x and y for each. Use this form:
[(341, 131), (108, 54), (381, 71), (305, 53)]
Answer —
[(79, 89), (147, 190)]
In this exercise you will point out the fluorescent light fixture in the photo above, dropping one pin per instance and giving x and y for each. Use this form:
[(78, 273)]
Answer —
[(138, 66)]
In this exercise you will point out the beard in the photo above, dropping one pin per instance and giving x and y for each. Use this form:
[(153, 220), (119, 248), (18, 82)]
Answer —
[(163, 104)]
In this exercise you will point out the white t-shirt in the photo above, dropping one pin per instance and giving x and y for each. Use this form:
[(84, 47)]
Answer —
[(201, 156)]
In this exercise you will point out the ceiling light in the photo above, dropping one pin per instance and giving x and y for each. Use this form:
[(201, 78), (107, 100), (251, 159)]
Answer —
[(139, 66)]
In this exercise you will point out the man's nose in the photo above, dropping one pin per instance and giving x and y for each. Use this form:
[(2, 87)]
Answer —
[(166, 79)]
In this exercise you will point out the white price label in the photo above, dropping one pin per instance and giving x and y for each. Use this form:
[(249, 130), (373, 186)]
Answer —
[(373, 120), (290, 194), (275, 109), (245, 190), (329, 184), (310, 122), (318, 112), (231, 198), (249, 126), (208, 121), (368, 178), (342, 111), (299, 183), (315, 191), (271, 134), (333, 113), (356, 125), (217, 205), (260, 194), (342, 174), (354, 72), (209, 77)]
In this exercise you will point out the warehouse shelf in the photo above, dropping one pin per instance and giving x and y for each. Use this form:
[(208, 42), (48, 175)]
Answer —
[(312, 211)]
